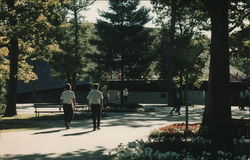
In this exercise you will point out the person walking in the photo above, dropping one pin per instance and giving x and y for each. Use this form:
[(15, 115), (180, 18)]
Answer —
[(242, 100), (125, 95), (106, 97), (177, 103), (68, 102), (247, 98), (95, 101)]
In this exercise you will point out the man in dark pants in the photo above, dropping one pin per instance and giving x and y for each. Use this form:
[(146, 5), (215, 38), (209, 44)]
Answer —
[(95, 101), (177, 103), (66, 100), (125, 95)]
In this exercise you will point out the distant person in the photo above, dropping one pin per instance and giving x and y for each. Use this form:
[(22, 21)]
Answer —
[(125, 95), (177, 103), (247, 97), (68, 101), (95, 101), (242, 100), (237, 76), (106, 97)]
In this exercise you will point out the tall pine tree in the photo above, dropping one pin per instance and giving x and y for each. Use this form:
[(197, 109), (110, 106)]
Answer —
[(124, 42)]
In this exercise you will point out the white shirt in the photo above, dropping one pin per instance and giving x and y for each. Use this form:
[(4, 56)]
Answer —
[(177, 96), (67, 96), (125, 92), (95, 96)]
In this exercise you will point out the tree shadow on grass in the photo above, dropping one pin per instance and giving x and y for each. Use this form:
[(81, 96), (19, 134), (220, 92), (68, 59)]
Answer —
[(76, 155), (21, 124), (35, 123)]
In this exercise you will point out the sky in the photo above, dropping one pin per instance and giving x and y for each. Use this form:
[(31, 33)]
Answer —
[(92, 13)]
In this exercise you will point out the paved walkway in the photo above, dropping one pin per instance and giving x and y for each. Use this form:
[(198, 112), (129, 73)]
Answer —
[(80, 143)]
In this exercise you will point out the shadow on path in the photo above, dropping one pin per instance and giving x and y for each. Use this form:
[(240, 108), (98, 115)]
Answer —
[(79, 133), (128, 119), (50, 131), (76, 155), (150, 119)]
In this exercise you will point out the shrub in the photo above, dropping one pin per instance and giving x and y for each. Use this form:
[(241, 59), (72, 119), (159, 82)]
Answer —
[(241, 127), (140, 150), (132, 107), (123, 109), (173, 143), (174, 132)]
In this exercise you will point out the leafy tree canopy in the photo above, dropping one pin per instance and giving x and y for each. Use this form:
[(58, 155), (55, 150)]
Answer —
[(33, 20)]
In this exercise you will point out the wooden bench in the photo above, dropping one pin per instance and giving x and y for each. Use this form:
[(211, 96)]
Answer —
[(54, 108)]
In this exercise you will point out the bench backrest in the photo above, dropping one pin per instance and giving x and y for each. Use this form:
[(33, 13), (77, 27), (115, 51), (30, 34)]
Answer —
[(54, 105)]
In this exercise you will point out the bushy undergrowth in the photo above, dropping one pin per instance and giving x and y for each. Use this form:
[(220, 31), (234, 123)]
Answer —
[(174, 143), (241, 127)]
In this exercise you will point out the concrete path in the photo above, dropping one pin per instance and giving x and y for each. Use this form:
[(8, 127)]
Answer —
[(80, 143)]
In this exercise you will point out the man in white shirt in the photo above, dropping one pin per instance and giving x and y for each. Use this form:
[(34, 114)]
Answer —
[(66, 100), (95, 101), (125, 95)]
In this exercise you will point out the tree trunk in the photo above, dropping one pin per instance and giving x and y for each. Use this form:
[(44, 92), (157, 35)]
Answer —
[(12, 83), (13, 58), (122, 81), (170, 53), (34, 83), (218, 111), (76, 41)]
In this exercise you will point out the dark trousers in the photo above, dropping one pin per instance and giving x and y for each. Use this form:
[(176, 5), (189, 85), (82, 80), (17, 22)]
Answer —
[(177, 107), (96, 115), (125, 99), (68, 113)]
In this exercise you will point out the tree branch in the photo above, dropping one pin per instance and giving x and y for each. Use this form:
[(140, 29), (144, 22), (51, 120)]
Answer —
[(237, 24)]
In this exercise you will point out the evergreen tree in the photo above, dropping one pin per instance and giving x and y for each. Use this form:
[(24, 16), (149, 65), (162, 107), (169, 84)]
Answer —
[(124, 42), (76, 6), (64, 62), (181, 26)]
